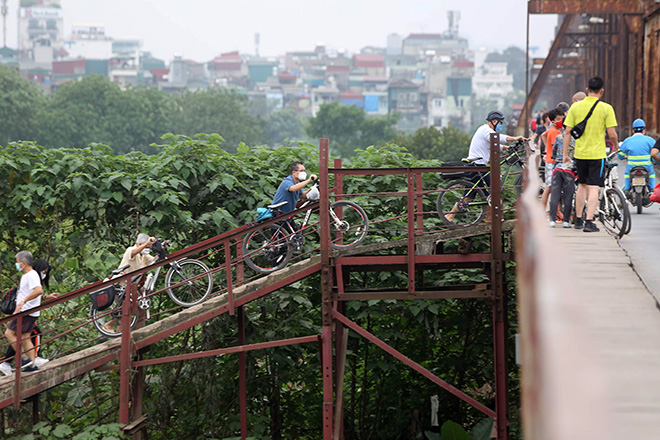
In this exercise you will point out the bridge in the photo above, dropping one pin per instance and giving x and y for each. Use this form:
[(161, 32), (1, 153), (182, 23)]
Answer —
[(588, 351), (414, 247)]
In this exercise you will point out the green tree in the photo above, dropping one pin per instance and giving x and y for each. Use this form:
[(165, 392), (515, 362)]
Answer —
[(97, 110), (284, 125), (348, 128), (217, 111), (449, 143), (20, 101)]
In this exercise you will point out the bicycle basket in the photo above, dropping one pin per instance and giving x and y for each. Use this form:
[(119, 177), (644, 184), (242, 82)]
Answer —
[(263, 214), (103, 298), (456, 174)]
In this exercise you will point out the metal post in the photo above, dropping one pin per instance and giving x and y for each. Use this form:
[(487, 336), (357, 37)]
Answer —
[(125, 355), (339, 182), (326, 339), (137, 398), (411, 233), (526, 111), (242, 381), (240, 271), (17, 362), (497, 285), (230, 290)]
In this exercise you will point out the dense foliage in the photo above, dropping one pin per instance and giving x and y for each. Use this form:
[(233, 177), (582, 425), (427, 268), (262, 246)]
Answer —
[(80, 208), (446, 144)]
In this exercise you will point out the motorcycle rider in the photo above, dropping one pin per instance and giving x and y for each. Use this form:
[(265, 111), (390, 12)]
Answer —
[(637, 148)]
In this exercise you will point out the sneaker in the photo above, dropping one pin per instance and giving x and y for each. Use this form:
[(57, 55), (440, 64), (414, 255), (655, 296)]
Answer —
[(5, 368), (590, 226), (26, 363), (40, 362), (579, 223), (552, 224), (30, 367), (567, 225)]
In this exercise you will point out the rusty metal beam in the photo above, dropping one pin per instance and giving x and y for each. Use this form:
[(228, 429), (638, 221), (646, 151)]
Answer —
[(545, 71), (438, 294), (412, 364), (585, 6)]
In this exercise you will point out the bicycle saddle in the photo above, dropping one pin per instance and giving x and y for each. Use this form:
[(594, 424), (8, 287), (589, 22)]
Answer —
[(277, 205), (472, 159), (120, 269)]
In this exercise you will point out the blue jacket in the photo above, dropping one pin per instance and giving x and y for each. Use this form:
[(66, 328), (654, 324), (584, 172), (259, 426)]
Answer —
[(638, 149)]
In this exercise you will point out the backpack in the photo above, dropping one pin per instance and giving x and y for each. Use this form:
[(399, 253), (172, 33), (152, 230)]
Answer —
[(263, 214), (103, 298), (8, 303)]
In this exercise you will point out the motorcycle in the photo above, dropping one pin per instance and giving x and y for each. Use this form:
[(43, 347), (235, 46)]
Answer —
[(640, 196)]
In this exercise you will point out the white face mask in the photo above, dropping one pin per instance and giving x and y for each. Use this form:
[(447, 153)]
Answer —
[(42, 275), (302, 175), (145, 251)]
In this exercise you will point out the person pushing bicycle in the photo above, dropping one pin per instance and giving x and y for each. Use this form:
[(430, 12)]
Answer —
[(291, 188), (135, 257), (479, 152)]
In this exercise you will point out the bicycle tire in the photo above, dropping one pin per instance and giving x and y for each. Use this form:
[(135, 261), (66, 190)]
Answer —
[(267, 249), (453, 194), (191, 292), (354, 224), (518, 184), (100, 319), (617, 217)]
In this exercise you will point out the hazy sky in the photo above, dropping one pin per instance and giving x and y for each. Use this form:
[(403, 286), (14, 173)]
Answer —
[(201, 29)]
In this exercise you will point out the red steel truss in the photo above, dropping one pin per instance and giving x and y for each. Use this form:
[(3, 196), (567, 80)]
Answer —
[(335, 322)]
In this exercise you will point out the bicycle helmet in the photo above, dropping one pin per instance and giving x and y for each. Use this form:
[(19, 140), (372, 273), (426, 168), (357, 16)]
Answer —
[(495, 115), (638, 125)]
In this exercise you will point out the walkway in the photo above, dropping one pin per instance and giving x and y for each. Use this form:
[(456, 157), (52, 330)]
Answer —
[(623, 323)]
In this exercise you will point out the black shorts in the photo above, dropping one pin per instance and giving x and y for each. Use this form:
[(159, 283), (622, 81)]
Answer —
[(27, 324), (590, 171)]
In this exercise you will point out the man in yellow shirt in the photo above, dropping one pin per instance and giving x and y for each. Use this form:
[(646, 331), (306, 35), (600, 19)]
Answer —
[(590, 150)]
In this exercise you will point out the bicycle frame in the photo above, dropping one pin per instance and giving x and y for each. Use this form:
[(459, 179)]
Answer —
[(481, 183)]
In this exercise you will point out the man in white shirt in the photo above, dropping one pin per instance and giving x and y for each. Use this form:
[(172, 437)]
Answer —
[(480, 149), (135, 257), (28, 297)]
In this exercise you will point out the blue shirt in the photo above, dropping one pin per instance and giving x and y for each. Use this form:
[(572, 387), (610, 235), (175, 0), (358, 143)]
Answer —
[(638, 149), (284, 195)]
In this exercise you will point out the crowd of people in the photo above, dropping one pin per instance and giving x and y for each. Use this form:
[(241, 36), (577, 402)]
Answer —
[(575, 165)]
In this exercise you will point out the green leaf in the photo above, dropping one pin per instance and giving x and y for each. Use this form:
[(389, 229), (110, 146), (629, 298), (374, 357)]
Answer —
[(62, 431), (157, 215), (482, 429), (228, 182), (126, 183), (118, 196), (453, 431)]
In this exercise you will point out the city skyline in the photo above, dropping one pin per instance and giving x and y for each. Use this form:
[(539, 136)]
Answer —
[(199, 30)]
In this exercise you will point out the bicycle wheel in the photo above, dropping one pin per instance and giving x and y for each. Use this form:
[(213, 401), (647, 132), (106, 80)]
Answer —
[(518, 184), (462, 211), (267, 249), (614, 212), (108, 321), (187, 291), (348, 224)]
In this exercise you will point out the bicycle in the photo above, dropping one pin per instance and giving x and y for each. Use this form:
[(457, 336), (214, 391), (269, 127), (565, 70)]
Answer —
[(612, 207), (464, 196), (269, 248), (188, 282)]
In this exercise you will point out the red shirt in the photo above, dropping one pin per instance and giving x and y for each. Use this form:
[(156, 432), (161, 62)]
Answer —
[(550, 141)]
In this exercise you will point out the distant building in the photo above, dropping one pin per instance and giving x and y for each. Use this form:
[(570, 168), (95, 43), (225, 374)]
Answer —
[(323, 95), (438, 44), (404, 98), (394, 44), (40, 31), (491, 80), (89, 41), (370, 64)]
